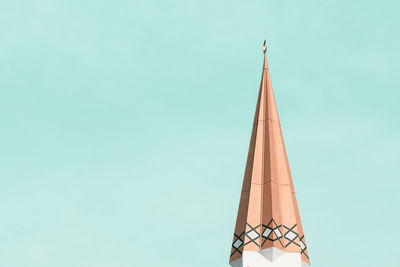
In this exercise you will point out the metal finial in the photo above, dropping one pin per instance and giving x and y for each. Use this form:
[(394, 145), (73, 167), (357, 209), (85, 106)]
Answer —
[(264, 47)]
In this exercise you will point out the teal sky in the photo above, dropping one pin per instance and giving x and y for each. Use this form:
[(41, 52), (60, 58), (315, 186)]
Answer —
[(125, 126)]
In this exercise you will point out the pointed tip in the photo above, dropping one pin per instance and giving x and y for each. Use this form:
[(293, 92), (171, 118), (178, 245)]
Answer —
[(264, 47), (265, 54)]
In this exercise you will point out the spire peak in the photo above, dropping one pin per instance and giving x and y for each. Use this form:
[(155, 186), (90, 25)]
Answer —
[(264, 47)]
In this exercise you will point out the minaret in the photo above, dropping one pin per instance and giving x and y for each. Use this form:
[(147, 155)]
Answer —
[(268, 229)]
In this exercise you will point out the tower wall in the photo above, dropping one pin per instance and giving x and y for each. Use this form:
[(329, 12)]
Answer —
[(270, 257)]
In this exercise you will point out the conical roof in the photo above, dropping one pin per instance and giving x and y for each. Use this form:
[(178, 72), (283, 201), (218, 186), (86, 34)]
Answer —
[(268, 214)]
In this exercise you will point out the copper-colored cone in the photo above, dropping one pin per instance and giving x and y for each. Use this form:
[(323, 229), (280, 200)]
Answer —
[(268, 215)]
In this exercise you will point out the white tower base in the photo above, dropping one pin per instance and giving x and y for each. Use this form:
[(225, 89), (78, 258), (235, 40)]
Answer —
[(270, 257)]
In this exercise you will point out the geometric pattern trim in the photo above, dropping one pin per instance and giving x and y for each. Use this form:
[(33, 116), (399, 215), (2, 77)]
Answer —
[(237, 244), (252, 234), (291, 235), (272, 232), (303, 247)]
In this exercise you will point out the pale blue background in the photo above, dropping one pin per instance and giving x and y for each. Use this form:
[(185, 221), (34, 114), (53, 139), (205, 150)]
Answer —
[(125, 127)]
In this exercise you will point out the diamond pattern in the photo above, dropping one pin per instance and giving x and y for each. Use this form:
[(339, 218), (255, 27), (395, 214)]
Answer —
[(291, 236), (303, 246), (237, 243), (270, 228), (267, 232), (277, 232), (253, 234)]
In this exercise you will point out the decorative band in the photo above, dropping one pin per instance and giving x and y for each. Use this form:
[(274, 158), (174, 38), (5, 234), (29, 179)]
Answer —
[(272, 232)]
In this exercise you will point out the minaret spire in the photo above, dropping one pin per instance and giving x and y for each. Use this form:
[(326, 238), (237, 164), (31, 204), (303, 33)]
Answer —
[(268, 229)]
